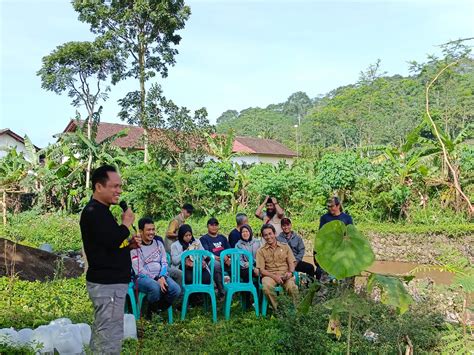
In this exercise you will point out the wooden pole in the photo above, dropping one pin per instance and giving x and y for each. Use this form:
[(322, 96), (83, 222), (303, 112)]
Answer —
[(4, 207)]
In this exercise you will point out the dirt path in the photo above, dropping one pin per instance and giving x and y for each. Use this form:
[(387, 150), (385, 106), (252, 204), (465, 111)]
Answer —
[(34, 264)]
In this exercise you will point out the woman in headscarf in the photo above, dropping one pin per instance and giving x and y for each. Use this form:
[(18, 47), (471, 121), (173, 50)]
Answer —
[(249, 243), (185, 242)]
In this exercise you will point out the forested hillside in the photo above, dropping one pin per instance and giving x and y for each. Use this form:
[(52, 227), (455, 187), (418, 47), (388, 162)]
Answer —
[(376, 110)]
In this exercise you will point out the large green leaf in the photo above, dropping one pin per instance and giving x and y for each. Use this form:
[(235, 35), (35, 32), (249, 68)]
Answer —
[(465, 280), (393, 291), (342, 250), (305, 304)]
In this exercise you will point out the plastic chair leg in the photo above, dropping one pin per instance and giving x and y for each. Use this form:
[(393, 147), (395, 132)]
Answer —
[(170, 315), (184, 306), (255, 301), (228, 303), (214, 307), (264, 305)]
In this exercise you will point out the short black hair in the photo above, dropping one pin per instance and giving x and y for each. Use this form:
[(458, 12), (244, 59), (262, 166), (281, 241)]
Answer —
[(188, 207), (143, 221), (101, 175), (212, 221), (267, 226), (270, 200)]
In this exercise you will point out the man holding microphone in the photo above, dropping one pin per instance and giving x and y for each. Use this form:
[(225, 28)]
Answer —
[(107, 246)]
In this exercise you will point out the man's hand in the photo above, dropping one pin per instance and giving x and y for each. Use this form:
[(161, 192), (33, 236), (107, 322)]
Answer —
[(227, 261), (275, 202), (266, 199), (278, 279), (287, 276), (128, 218), (163, 284), (189, 262), (136, 242)]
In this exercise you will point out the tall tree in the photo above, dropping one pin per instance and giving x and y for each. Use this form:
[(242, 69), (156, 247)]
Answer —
[(81, 69), (145, 30)]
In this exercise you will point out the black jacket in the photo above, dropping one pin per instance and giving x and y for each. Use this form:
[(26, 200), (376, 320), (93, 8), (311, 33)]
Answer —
[(102, 237)]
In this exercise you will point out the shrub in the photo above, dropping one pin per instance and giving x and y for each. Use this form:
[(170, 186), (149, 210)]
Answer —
[(58, 229)]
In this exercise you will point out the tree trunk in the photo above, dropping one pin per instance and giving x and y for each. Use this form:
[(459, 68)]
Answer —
[(143, 123), (89, 160), (446, 157)]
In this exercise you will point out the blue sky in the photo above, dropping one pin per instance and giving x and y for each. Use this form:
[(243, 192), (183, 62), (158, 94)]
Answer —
[(233, 55)]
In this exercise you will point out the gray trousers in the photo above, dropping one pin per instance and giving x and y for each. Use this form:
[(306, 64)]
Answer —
[(176, 274), (107, 330)]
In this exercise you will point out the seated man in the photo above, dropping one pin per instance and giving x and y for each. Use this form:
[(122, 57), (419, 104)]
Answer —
[(276, 264), (234, 236), (296, 244), (151, 268), (216, 243), (146, 227)]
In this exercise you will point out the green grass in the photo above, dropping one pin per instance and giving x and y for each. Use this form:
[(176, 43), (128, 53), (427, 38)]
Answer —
[(62, 231), (30, 304)]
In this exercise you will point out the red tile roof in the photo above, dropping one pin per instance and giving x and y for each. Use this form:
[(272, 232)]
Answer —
[(248, 145)]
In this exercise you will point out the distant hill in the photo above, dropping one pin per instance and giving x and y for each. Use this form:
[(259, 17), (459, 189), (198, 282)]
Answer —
[(376, 110)]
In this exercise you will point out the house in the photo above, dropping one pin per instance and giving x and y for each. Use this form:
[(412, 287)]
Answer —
[(9, 139), (253, 150)]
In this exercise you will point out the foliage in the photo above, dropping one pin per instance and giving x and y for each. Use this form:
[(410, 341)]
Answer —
[(59, 230), (393, 291), (31, 304), (342, 250)]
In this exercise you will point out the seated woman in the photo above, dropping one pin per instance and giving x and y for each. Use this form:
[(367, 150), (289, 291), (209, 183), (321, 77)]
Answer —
[(186, 242), (249, 243)]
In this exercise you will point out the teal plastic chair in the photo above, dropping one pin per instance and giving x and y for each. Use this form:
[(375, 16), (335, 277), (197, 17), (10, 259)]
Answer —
[(137, 306), (236, 284), (197, 286), (278, 289)]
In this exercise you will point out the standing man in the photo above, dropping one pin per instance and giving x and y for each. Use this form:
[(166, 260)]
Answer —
[(335, 213), (276, 264), (176, 222), (107, 246), (296, 244), (234, 236), (272, 215)]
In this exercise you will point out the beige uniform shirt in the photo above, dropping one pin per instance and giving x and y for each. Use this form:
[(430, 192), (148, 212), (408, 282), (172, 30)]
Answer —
[(275, 260)]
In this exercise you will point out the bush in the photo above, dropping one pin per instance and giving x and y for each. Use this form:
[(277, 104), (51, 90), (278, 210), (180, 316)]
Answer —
[(30, 304), (30, 228)]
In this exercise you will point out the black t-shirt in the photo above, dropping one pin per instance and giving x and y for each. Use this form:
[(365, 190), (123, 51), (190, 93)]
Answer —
[(234, 237), (343, 217), (102, 237)]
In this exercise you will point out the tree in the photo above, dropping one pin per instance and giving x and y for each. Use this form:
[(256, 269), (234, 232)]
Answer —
[(80, 69), (144, 30), (297, 105), (178, 134)]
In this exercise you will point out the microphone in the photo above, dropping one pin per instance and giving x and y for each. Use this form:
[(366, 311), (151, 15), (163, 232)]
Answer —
[(123, 205)]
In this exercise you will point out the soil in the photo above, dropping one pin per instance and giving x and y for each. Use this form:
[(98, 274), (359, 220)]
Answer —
[(34, 264)]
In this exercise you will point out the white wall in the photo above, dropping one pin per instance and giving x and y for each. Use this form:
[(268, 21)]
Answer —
[(8, 141), (255, 159)]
